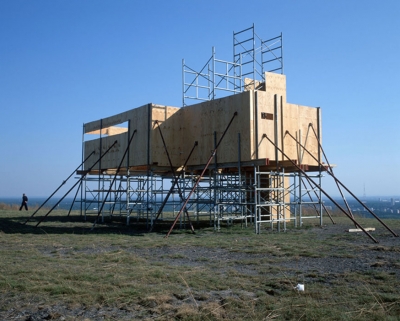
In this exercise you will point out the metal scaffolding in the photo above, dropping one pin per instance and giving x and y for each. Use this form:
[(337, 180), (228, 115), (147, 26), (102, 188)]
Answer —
[(267, 195), (267, 199), (248, 193), (252, 57)]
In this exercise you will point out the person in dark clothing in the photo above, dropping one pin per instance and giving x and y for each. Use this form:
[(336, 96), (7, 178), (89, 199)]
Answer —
[(24, 202)]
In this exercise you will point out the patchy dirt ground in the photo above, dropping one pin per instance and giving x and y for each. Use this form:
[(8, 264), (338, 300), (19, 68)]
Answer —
[(361, 255)]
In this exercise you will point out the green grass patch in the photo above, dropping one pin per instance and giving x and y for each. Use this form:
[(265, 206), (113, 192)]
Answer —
[(230, 274)]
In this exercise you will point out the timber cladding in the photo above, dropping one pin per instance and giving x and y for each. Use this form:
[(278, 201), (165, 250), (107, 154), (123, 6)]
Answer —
[(206, 123), (165, 129)]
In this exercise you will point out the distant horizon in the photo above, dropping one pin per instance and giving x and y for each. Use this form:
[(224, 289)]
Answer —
[(323, 197)]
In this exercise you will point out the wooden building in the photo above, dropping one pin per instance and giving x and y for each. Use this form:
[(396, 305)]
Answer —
[(258, 150), (260, 112)]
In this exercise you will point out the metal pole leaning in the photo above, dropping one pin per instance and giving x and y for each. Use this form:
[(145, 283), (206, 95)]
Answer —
[(172, 188), (173, 174), (201, 175), (114, 178), (59, 187), (330, 172), (87, 171), (73, 202), (315, 208), (323, 191), (329, 167)]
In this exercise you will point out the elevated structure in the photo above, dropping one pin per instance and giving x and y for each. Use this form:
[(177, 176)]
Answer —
[(248, 156), (249, 177), (260, 112), (231, 158)]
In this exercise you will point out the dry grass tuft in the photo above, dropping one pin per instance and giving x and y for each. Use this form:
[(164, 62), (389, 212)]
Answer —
[(214, 310)]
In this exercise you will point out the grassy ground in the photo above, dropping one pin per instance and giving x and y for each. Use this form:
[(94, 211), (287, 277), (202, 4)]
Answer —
[(115, 272)]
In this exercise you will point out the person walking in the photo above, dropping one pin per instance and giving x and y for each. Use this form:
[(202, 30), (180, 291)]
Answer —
[(24, 202)]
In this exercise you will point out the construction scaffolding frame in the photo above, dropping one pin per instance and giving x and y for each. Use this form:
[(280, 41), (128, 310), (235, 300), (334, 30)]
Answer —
[(249, 193), (266, 194), (252, 57), (221, 197)]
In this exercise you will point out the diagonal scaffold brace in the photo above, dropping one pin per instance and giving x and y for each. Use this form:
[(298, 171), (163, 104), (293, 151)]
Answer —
[(175, 178), (73, 201), (338, 182), (330, 172), (329, 169), (201, 175), (323, 205), (59, 188), (87, 171), (322, 190), (175, 183), (114, 178)]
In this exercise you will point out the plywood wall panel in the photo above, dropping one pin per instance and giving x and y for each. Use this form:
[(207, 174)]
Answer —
[(309, 140), (138, 148), (111, 121), (181, 127), (290, 117), (275, 93), (202, 120), (110, 159), (266, 126), (275, 84), (168, 125), (297, 119)]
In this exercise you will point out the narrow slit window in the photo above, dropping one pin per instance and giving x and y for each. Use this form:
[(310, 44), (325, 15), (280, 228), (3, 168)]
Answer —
[(267, 116)]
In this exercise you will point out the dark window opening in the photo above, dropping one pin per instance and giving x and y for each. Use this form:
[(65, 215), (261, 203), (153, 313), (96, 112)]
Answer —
[(267, 116)]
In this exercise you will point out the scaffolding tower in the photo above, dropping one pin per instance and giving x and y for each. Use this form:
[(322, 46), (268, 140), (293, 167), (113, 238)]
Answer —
[(252, 57)]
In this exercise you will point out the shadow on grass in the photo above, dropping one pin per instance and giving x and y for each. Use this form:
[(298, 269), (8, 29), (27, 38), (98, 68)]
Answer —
[(75, 224)]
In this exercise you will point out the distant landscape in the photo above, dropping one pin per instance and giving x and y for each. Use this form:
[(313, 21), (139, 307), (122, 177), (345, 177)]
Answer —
[(382, 206)]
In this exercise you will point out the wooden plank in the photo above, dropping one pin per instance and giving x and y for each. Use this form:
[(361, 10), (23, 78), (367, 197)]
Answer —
[(109, 131), (169, 126), (200, 121), (265, 126), (290, 123), (296, 121), (307, 116), (368, 229), (270, 121), (109, 121), (138, 148)]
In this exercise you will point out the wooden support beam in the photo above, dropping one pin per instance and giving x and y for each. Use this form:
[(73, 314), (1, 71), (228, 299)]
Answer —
[(368, 229)]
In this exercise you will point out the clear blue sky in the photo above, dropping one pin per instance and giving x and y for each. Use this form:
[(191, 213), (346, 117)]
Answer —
[(64, 63)]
